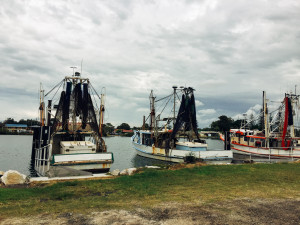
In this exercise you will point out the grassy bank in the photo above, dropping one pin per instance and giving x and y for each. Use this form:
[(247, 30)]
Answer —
[(203, 184)]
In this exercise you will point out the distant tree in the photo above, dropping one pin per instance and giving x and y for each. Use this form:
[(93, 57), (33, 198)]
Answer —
[(10, 121), (206, 129), (22, 121), (147, 126), (109, 124), (108, 128), (215, 126), (236, 124), (29, 122), (223, 124), (124, 126)]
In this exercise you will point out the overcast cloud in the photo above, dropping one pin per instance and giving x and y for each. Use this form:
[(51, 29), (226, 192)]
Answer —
[(229, 51)]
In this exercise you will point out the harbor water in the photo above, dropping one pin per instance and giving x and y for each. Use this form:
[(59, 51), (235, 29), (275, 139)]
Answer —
[(15, 153)]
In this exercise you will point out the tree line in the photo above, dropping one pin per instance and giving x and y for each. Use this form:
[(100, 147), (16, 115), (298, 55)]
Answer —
[(28, 122), (225, 123)]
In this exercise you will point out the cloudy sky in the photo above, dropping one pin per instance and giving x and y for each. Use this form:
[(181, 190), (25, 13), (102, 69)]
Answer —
[(229, 51)]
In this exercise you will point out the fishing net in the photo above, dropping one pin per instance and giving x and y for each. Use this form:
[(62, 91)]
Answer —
[(186, 118)]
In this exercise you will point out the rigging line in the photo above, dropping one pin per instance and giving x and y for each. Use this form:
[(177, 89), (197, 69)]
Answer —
[(54, 88), (164, 98), (147, 118), (56, 91), (165, 105), (95, 101), (178, 97), (95, 90), (276, 109)]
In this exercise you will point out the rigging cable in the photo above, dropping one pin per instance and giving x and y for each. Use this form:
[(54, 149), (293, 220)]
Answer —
[(95, 91), (54, 88), (57, 90), (165, 106), (95, 101), (163, 103), (164, 98)]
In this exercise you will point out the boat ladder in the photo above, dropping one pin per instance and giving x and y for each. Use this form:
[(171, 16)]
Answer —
[(42, 159)]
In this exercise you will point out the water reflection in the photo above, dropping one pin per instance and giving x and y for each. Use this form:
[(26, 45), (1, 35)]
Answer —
[(32, 172)]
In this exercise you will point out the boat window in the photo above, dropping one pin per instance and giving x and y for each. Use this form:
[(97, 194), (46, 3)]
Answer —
[(251, 139), (147, 139), (143, 139), (245, 139)]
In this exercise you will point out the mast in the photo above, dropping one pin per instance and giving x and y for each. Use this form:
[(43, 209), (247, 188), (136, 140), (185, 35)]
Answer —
[(152, 111), (144, 121), (49, 112), (42, 106), (266, 119), (174, 107), (74, 110), (293, 103), (101, 118)]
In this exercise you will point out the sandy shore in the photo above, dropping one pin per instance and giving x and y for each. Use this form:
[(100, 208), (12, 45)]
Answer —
[(242, 211)]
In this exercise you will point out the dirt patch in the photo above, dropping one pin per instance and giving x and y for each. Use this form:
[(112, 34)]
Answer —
[(240, 211)]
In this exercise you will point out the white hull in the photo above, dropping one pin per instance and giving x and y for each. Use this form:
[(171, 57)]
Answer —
[(93, 162), (89, 161), (264, 152), (178, 156), (90, 167)]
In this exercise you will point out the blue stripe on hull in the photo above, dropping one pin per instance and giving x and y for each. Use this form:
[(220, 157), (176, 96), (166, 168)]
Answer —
[(186, 148), (164, 156)]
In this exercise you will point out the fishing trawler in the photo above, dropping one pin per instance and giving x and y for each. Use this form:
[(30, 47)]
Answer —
[(69, 135), (180, 144), (279, 138)]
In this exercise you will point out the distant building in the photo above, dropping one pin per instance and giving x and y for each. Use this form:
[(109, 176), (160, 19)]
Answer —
[(17, 128), (122, 131), (127, 131)]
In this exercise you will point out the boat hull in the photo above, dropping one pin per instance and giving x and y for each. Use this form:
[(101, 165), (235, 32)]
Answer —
[(94, 162), (265, 152), (178, 155)]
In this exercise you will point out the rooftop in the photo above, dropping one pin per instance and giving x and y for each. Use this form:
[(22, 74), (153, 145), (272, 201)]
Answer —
[(16, 125)]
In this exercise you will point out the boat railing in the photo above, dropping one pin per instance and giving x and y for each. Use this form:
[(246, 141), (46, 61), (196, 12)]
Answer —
[(42, 159), (290, 154)]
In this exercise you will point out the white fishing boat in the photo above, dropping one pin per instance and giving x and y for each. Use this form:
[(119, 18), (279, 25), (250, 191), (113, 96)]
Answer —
[(279, 138), (70, 135), (180, 144)]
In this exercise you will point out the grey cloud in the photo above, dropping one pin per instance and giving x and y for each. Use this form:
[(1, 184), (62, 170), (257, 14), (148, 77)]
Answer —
[(228, 51)]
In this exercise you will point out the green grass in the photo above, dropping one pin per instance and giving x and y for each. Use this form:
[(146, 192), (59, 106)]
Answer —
[(205, 184)]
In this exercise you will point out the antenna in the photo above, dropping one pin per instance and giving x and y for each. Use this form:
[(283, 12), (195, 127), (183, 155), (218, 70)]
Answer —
[(73, 67), (81, 66)]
